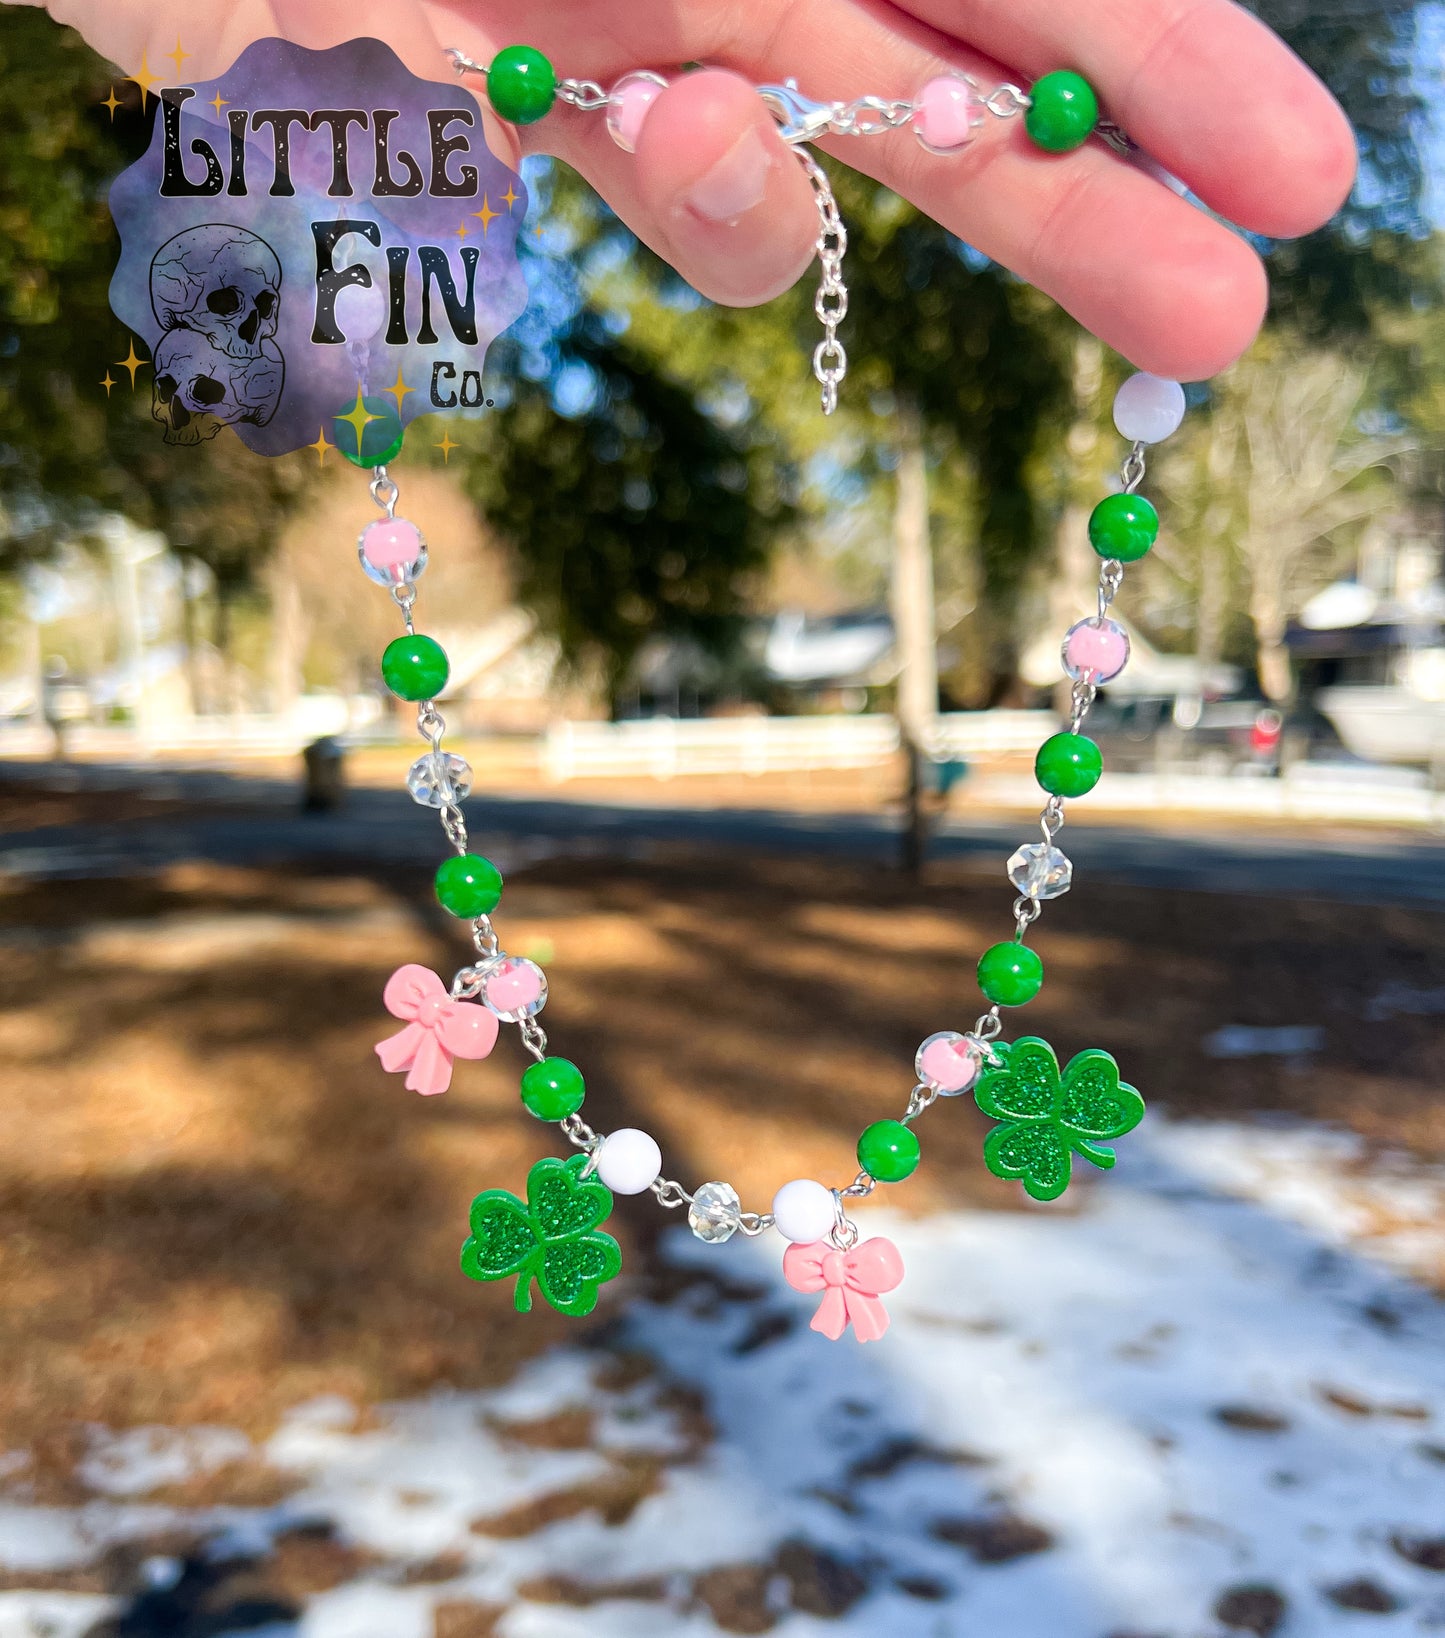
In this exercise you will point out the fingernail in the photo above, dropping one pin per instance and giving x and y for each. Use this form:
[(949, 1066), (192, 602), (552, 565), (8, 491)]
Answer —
[(735, 183)]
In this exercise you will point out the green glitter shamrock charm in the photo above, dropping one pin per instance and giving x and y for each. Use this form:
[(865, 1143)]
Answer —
[(1048, 1117), (552, 1238)]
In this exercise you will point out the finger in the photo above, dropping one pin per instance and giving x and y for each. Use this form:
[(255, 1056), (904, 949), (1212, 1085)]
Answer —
[(1202, 85), (127, 32), (716, 191), (711, 187)]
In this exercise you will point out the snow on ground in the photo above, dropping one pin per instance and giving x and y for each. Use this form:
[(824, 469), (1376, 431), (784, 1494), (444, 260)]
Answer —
[(1206, 1400)]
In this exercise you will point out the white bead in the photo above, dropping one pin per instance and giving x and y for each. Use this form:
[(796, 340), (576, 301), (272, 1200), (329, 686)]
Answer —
[(629, 1161), (1148, 409), (803, 1211)]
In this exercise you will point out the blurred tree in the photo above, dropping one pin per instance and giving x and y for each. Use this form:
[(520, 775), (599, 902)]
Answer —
[(1287, 471), (72, 449), (633, 512), (1331, 283)]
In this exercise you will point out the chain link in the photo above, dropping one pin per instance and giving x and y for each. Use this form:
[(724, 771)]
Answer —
[(870, 116), (584, 94), (1007, 101)]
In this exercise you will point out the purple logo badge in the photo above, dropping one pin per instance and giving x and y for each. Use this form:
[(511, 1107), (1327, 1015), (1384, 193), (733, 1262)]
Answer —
[(317, 246)]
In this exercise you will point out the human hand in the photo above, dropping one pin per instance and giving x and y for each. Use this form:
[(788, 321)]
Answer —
[(713, 189)]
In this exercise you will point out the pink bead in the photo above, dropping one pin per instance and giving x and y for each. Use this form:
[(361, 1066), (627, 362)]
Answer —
[(948, 1064), (1096, 650), (628, 105), (945, 114), (515, 988), (391, 543)]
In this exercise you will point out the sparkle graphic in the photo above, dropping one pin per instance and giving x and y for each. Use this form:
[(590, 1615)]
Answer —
[(321, 446), (178, 56), (107, 381), (398, 389), (446, 446), (144, 79), (131, 362), (112, 102), (486, 215), (360, 418), (463, 230), (218, 102), (510, 196)]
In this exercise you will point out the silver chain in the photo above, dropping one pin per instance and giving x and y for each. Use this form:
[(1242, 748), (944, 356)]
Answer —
[(830, 360)]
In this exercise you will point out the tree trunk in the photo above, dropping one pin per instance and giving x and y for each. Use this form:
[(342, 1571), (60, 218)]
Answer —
[(200, 698), (915, 635), (288, 641), (1267, 610)]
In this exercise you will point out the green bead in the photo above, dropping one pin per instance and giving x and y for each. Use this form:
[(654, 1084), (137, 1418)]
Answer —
[(1011, 974), (521, 84), (1063, 111), (1123, 527), (888, 1150), (372, 439), (468, 885), (1068, 765), (414, 667), (553, 1089)]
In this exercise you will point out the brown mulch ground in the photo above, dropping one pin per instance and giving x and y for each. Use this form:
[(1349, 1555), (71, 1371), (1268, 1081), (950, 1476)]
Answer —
[(213, 1203)]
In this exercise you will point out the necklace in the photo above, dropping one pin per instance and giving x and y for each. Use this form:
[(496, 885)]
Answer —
[(552, 1238)]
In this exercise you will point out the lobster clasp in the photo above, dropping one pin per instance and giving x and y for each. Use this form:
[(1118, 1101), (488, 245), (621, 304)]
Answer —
[(799, 118)]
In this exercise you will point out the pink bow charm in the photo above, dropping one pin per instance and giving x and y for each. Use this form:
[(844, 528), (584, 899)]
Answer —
[(851, 1282), (438, 1029)]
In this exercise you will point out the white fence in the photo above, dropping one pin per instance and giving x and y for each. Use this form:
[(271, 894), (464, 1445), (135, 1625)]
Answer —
[(664, 747)]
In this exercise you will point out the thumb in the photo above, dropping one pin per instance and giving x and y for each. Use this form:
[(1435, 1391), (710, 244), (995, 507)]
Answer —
[(721, 195)]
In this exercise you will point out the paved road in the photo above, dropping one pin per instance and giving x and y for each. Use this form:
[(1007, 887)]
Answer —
[(256, 822)]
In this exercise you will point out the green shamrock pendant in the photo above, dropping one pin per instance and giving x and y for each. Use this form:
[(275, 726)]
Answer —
[(553, 1238), (1049, 1117)]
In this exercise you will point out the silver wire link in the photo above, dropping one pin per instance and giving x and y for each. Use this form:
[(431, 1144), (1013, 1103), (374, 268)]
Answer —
[(484, 939), (1132, 471), (1116, 136), (918, 1100), (1086, 691), (1111, 577), (1026, 912), (845, 1231), (384, 491), (579, 1133), (584, 94), (1007, 101), (670, 1194), (534, 1037), (462, 63)]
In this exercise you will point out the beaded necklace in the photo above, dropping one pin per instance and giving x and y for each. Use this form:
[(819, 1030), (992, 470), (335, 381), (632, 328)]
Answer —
[(552, 1238)]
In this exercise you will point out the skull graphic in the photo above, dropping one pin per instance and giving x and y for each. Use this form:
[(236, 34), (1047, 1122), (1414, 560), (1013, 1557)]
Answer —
[(222, 282), (199, 388)]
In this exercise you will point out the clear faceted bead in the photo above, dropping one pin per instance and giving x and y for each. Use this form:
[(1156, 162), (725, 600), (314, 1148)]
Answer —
[(438, 779), (714, 1212), (1041, 871)]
